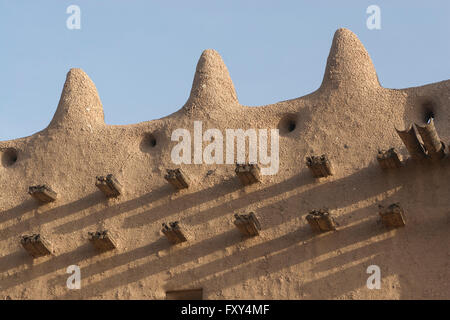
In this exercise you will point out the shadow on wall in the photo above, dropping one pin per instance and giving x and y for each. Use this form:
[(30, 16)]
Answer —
[(182, 202), (262, 259), (274, 255), (51, 215)]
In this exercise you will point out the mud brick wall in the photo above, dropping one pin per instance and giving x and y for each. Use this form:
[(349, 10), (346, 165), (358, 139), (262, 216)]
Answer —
[(349, 118)]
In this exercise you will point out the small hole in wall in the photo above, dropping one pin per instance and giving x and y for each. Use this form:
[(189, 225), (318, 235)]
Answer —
[(429, 115), (152, 142), (148, 142), (288, 123), (9, 157), (428, 111), (291, 126)]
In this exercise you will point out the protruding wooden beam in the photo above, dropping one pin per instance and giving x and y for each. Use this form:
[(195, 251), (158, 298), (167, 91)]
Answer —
[(247, 224), (177, 178), (389, 159), (320, 166), (109, 185), (173, 232), (248, 173), (36, 246), (102, 240), (321, 221), (433, 145), (393, 216), (412, 144), (42, 193)]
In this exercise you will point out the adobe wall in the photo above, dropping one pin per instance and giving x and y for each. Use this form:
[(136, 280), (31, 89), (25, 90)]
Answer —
[(349, 118)]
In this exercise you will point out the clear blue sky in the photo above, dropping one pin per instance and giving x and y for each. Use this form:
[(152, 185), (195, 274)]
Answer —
[(142, 54)]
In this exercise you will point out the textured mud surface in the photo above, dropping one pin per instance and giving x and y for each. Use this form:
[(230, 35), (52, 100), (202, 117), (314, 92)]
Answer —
[(349, 118)]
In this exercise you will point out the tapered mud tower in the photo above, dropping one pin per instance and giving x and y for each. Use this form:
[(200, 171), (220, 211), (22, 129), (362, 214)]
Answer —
[(212, 89), (348, 64), (79, 105)]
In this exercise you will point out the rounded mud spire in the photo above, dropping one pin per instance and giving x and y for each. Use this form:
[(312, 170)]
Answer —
[(348, 63), (212, 87), (79, 104)]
